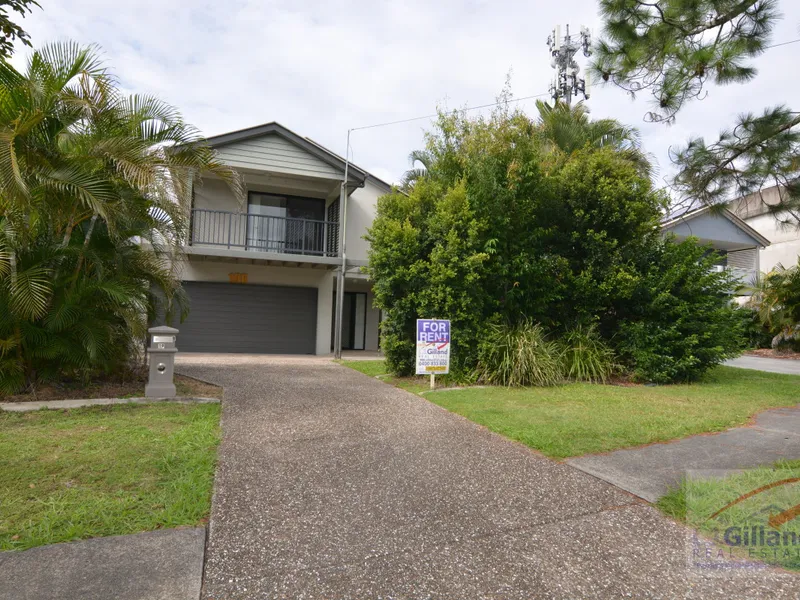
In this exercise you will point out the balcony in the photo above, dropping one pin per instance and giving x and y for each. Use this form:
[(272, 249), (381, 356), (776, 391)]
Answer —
[(263, 233)]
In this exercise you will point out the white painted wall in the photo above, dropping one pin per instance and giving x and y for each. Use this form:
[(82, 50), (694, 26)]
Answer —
[(361, 209), (212, 270), (325, 313), (785, 242), (214, 194)]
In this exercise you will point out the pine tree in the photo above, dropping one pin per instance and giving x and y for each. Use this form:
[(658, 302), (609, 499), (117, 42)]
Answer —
[(672, 49)]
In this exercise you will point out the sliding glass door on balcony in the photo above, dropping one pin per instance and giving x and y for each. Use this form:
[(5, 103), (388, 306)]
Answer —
[(266, 222), (285, 224)]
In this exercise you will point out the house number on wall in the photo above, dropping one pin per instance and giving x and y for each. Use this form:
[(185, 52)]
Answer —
[(237, 277)]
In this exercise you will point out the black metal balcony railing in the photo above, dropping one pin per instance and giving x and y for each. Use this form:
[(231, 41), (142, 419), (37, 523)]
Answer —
[(263, 233)]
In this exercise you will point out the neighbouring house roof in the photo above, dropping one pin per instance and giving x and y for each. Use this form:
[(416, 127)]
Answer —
[(356, 175), (672, 222)]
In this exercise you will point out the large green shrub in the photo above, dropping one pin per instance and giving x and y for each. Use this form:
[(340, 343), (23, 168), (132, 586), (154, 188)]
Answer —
[(508, 225), (503, 229), (679, 319)]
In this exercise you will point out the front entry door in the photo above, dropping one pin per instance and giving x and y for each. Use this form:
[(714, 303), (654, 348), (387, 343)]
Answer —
[(354, 320)]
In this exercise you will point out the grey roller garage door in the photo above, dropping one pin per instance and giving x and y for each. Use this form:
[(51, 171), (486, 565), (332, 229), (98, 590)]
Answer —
[(227, 317)]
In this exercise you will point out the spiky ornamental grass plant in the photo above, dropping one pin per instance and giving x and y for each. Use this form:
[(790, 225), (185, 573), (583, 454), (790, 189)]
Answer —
[(585, 356), (95, 189), (517, 355)]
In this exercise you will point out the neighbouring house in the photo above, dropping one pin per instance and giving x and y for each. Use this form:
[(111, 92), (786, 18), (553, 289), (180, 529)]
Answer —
[(261, 277), (782, 229), (738, 244)]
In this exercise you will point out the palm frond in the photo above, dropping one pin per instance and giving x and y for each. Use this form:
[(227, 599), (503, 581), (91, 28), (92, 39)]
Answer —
[(30, 293)]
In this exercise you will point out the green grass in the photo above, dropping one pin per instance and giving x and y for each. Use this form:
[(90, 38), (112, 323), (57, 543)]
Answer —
[(377, 368), (373, 368), (696, 501), (582, 418), (106, 470)]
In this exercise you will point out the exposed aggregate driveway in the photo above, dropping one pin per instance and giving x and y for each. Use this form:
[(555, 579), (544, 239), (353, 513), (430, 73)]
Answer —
[(332, 484)]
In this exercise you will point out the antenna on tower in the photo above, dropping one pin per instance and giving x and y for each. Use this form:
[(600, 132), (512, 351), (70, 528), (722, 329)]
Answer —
[(563, 50)]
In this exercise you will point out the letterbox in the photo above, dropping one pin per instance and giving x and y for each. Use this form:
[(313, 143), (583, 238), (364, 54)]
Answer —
[(161, 353)]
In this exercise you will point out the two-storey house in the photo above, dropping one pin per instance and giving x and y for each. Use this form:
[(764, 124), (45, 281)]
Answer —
[(261, 277)]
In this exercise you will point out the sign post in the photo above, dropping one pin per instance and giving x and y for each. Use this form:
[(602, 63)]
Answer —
[(433, 348)]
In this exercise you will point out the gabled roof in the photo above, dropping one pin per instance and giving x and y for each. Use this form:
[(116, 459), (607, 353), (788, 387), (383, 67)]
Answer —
[(671, 221), (356, 175)]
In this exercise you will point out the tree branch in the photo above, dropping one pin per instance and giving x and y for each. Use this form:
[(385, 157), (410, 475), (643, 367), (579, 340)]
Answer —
[(749, 146)]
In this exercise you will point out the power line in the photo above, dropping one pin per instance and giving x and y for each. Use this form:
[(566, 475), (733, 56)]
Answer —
[(431, 116), (782, 44), (463, 110)]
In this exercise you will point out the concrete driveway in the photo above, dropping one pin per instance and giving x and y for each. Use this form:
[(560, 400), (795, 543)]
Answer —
[(332, 484)]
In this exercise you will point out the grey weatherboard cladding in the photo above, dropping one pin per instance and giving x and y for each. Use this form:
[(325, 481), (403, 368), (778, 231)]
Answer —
[(227, 317)]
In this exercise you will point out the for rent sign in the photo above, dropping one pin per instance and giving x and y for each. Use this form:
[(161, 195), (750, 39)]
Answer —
[(433, 347)]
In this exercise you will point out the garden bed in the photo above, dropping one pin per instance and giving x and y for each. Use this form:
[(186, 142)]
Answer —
[(582, 418), (770, 353), (100, 471), (131, 387)]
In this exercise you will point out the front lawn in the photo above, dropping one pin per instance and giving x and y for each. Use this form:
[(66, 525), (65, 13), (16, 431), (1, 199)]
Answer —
[(377, 369), (581, 418), (105, 470)]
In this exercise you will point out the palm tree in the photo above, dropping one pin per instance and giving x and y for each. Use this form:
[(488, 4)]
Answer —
[(95, 191), (567, 128), (425, 160), (775, 296)]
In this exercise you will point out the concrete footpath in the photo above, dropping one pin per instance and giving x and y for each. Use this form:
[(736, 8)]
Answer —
[(158, 565), (650, 471), (332, 484), (772, 365)]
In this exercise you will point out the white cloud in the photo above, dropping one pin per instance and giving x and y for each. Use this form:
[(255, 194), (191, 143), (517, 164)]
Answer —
[(323, 67)]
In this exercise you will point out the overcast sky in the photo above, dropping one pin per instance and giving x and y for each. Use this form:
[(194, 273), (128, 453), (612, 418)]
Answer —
[(320, 68)]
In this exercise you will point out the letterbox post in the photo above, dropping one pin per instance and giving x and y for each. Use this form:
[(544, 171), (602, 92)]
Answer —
[(162, 351)]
